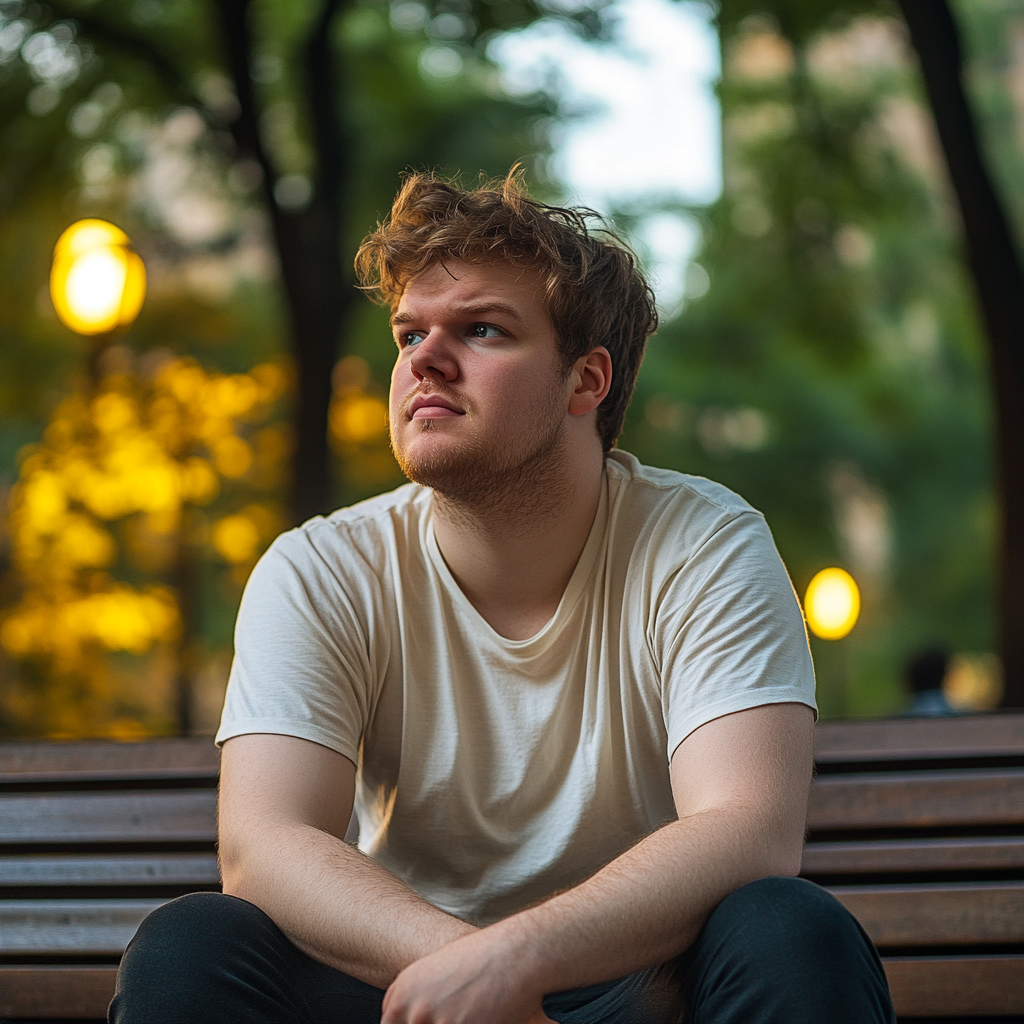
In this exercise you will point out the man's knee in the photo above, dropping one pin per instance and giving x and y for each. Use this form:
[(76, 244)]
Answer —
[(787, 914), (792, 924), (183, 949), (195, 926)]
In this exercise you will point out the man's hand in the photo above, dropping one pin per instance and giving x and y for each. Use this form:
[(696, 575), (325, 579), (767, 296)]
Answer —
[(478, 979)]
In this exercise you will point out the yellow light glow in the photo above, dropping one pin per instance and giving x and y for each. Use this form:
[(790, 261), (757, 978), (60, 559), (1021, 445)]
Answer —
[(97, 281), (832, 604)]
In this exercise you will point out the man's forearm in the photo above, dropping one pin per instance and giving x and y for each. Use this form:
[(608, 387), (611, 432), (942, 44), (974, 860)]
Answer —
[(643, 908), (337, 905)]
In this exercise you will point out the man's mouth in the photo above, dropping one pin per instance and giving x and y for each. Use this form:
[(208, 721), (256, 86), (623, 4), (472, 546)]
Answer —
[(432, 407)]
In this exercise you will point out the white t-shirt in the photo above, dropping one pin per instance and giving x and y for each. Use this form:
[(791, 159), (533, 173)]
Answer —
[(494, 772)]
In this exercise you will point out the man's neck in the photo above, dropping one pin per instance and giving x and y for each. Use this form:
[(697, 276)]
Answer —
[(514, 555)]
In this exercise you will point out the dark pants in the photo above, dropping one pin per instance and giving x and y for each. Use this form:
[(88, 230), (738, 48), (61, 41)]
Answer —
[(777, 951)]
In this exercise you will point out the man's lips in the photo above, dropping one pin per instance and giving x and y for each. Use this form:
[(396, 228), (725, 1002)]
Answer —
[(432, 407)]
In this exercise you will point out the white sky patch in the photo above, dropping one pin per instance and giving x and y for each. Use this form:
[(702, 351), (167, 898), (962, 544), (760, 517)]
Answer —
[(643, 126)]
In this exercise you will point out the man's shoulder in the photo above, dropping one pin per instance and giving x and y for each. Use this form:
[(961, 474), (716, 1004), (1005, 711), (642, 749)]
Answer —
[(369, 528), (662, 489)]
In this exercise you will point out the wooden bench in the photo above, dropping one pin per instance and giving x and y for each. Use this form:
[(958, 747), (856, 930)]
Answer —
[(916, 825)]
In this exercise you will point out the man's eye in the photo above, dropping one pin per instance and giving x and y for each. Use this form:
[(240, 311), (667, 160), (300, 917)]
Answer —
[(409, 338), (484, 331)]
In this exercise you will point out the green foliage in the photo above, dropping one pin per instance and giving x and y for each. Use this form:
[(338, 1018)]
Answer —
[(834, 374), (120, 110)]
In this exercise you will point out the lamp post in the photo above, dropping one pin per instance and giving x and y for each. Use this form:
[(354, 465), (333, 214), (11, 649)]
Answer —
[(97, 283)]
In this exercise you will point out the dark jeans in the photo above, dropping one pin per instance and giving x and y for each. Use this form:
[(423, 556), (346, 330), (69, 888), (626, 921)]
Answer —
[(777, 951)]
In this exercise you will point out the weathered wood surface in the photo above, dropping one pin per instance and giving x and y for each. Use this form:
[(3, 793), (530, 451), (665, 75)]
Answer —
[(132, 816), (56, 992), (921, 987), (102, 760), (56, 927), (957, 986), (937, 914), (990, 796), (1000, 735), (109, 869), (983, 853)]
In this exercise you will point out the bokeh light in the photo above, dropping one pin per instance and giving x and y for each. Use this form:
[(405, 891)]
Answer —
[(832, 604), (98, 281)]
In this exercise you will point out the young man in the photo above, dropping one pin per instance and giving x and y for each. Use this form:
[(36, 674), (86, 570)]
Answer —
[(570, 696)]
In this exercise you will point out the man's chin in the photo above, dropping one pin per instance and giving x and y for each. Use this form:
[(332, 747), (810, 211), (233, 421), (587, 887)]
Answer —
[(443, 463)]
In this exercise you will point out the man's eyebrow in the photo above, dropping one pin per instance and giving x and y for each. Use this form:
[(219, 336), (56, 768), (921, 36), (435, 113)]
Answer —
[(471, 309)]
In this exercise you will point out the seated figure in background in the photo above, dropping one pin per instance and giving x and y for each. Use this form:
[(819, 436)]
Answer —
[(925, 673), (569, 696)]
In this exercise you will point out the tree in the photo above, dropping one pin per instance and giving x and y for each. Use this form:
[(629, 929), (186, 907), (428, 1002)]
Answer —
[(999, 280), (208, 129), (834, 373)]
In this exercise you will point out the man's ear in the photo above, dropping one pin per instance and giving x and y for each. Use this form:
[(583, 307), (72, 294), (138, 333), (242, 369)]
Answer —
[(591, 377)]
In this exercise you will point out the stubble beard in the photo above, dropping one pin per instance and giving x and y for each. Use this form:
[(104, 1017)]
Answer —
[(494, 485)]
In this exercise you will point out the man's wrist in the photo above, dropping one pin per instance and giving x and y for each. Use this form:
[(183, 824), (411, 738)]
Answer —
[(518, 946)]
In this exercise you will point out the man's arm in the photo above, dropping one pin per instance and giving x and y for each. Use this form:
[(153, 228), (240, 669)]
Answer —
[(285, 804), (740, 785)]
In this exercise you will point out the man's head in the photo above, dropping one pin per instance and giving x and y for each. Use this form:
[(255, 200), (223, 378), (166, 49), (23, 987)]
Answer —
[(593, 292)]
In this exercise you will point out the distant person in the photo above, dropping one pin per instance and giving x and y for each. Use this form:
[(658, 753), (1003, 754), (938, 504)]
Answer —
[(569, 696), (925, 674)]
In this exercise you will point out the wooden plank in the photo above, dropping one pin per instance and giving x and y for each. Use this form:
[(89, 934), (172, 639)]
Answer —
[(110, 869), (984, 796), (937, 914), (82, 927), (956, 986), (990, 853), (56, 992), (997, 735), (146, 815), (192, 757)]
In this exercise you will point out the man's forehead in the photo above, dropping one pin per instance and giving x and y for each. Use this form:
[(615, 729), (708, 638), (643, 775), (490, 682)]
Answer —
[(472, 287)]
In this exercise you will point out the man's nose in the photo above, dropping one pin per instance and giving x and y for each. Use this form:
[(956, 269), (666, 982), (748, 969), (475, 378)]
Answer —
[(433, 358)]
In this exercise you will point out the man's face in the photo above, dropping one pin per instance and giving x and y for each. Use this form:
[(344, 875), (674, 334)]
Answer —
[(478, 395)]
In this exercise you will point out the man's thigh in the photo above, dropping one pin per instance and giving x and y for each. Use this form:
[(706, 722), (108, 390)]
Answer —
[(776, 951), (209, 958)]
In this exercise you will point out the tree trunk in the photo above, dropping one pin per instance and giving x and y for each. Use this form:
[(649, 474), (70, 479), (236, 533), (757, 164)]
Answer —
[(999, 281), (318, 291)]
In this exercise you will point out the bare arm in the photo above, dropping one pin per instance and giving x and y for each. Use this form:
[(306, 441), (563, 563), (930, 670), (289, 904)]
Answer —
[(284, 807), (740, 785)]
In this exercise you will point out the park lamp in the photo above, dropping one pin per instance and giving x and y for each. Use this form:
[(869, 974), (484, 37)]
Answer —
[(832, 604), (98, 280)]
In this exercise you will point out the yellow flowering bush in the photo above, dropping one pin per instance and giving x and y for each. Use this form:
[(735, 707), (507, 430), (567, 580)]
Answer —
[(116, 496)]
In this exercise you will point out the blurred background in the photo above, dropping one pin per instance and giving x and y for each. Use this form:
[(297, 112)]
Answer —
[(775, 165)]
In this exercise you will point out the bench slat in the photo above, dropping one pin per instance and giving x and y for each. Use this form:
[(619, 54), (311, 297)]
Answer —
[(920, 986), (989, 853), (53, 927), (169, 815), (58, 991), (934, 914), (956, 986), (181, 757), (110, 869), (908, 739), (985, 796)]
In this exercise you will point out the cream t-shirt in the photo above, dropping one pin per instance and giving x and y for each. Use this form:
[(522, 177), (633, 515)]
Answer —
[(495, 772)]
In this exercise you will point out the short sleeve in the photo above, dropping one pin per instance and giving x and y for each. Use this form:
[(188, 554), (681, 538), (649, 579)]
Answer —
[(728, 633), (303, 665)]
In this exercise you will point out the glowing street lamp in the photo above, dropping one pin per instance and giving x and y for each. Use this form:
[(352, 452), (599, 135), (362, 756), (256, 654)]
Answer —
[(97, 281), (832, 604)]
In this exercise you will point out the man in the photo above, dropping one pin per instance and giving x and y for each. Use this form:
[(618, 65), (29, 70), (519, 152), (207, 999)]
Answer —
[(570, 696)]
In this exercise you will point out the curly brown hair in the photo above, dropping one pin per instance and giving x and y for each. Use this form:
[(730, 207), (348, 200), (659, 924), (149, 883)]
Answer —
[(594, 292)]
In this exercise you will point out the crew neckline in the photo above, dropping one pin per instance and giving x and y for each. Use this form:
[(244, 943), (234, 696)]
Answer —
[(574, 589)]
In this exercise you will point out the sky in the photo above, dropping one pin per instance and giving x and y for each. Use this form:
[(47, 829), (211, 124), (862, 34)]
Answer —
[(642, 127)]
